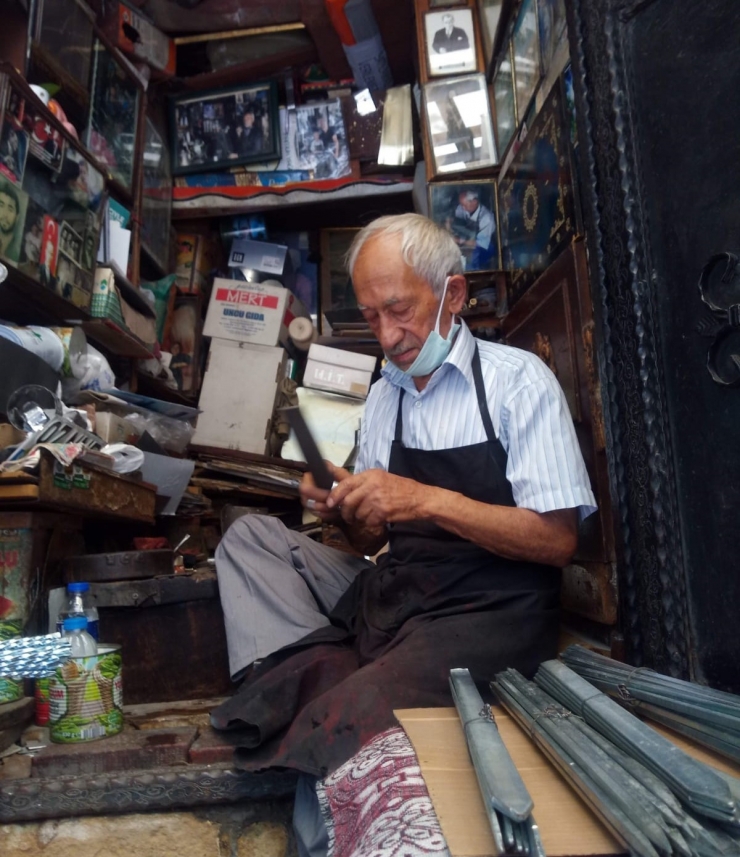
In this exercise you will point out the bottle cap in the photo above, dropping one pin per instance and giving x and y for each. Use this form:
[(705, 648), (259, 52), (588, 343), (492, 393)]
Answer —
[(74, 623), (78, 587)]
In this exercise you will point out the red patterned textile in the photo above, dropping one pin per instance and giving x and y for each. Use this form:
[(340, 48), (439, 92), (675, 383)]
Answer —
[(377, 804)]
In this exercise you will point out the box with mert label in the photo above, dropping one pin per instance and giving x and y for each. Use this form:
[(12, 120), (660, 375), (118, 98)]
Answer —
[(337, 371), (257, 313)]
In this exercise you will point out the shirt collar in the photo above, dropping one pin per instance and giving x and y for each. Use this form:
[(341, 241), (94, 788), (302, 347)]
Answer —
[(459, 359)]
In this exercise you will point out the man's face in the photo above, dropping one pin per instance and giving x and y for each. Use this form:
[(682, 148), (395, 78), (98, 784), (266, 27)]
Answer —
[(8, 213), (448, 21), (248, 120), (323, 123), (400, 308), (469, 205)]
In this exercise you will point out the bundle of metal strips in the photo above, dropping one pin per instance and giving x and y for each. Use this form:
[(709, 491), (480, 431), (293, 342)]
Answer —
[(711, 717), (635, 805), (508, 803), (695, 784), (33, 657)]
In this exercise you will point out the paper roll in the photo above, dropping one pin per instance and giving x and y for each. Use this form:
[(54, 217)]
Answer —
[(303, 333)]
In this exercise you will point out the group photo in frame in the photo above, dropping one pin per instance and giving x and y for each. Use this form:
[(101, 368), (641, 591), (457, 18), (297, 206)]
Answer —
[(321, 140), (468, 211), (224, 128), (458, 120), (449, 41)]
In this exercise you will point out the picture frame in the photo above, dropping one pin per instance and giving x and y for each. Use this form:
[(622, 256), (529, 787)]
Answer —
[(338, 303), (504, 99), (321, 144), (224, 128), (459, 126), (450, 42), (489, 15), (552, 30), (113, 116), (156, 206), (526, 55), (468, 210)]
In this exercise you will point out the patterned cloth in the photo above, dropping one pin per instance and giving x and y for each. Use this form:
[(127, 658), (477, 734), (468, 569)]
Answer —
[(377, 804)]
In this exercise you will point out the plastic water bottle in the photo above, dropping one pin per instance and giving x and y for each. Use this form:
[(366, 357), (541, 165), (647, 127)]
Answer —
[(79, 604), (81, 643)]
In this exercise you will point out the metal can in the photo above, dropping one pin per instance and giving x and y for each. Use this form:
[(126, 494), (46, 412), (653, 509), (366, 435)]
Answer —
[(86, 698), (41, 695)]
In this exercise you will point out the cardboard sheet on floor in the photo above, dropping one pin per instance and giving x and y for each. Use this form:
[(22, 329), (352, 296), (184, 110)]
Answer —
[(568, 827)]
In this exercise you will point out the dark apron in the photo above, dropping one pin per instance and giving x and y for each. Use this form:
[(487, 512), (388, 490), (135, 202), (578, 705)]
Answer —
[(435, 601)]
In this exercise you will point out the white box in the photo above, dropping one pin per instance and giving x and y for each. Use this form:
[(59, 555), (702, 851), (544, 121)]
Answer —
[(338, 371), (240, 387), (257, 313)]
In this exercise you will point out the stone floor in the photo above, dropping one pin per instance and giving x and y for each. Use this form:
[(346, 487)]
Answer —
[(245, 828)]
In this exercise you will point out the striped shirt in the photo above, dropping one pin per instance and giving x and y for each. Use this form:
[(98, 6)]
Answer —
[(529, 412)]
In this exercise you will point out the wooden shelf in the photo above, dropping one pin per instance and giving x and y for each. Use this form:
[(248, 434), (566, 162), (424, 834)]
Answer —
[(115, 339), (26, 301)]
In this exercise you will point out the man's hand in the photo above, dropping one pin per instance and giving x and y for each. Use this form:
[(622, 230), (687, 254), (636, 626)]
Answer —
[(314, 498), (375, 498)]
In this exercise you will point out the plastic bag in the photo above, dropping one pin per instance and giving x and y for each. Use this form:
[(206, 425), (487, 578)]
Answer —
[(93, 373)]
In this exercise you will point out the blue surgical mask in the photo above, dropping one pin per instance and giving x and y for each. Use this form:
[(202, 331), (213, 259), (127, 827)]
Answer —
[(435, 349)]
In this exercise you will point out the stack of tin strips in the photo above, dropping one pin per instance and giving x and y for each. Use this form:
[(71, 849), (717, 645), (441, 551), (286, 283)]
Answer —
[(506, 799), (634, 804), (711, 717), (33, 657), (695, 784)]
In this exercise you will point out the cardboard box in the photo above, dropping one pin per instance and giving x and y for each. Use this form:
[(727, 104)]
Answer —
[(114, 429), (109, 301), (335, 370), (140, 39), (237, 399), (256, 313)]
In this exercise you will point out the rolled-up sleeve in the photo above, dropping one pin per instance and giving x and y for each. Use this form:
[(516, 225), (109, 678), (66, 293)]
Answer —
[(545, 466)]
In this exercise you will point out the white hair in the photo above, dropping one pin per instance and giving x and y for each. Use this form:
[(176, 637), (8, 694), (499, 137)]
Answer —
[(426, 248)]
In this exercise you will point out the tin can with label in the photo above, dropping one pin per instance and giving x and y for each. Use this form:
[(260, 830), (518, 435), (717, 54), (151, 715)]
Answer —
[(10, 689), (86, 698), (41, 697)]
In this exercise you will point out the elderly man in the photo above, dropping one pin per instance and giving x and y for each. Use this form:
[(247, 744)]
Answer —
[(450, 38), (468, 466), (479, 248)]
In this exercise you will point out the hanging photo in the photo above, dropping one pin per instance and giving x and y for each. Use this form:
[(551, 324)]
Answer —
[(458, 119), (467, 210), (489, 14), (321, 140), (13, 152), (505, 101), (526, 47), (450, 42), (553, 29), (224, 128), (13, 205)]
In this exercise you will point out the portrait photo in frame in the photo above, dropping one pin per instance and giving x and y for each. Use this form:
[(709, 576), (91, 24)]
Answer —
[(526, 49), (450, 44), (459, 126), (468, 211), (224, 128), (338, 303)]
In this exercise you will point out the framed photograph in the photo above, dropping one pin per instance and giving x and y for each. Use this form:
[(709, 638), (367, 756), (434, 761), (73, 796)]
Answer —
[(553, 30), (468, 211), (504, 99), (321, 140), (338, 301), (224, 128), (113, 116), (526, 49), (156, 198), (13, 205), (489, 14), (458, 120), (450, 42), (13, 151)]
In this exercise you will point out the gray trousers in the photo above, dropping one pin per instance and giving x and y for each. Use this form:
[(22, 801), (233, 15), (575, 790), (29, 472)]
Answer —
[(276, 586)]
